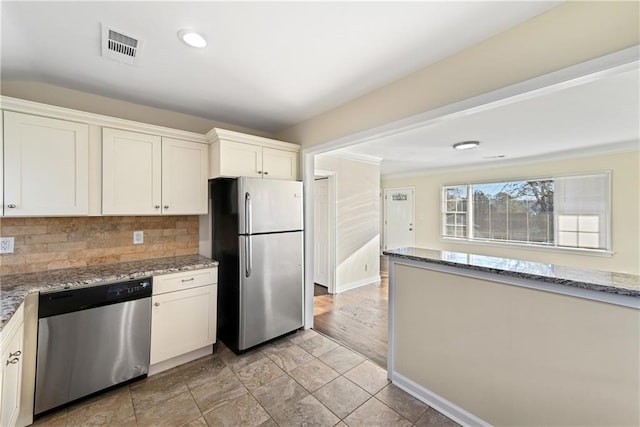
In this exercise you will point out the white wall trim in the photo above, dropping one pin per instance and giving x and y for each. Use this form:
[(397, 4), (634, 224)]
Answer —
[(358, 283), (39, 109), (437, 402), (333, 215)]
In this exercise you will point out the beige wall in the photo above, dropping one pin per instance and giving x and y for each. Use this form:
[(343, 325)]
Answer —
[(566, 35), (515, 356), (52, 243), (357, 220), (83, 101), (625, 209)]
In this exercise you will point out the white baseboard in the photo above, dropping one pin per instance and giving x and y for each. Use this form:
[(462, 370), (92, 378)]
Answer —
[(179, 360), (363, 282), (437, 402)]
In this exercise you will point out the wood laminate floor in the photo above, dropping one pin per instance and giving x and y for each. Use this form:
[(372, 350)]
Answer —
[(357, 319)]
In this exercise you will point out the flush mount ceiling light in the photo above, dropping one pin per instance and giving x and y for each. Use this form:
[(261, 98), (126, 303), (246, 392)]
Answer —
[(192, 38), (466, 145)]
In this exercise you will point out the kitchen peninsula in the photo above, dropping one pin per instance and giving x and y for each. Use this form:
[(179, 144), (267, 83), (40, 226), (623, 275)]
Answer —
[(498, 341)]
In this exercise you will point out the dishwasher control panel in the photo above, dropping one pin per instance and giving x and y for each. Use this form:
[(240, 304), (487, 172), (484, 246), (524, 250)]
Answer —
[(120, 290)]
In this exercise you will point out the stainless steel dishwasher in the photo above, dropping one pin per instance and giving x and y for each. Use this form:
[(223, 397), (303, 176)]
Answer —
[(91, 338)]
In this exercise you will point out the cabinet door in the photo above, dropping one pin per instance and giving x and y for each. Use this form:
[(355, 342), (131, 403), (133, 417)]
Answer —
[(182, 321), (131, 178), (46, 166), (280, 164), (238, 159), (184, 177), (11, 376)]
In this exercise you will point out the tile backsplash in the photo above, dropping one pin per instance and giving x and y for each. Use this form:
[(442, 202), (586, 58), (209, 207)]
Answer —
[(53, 243)]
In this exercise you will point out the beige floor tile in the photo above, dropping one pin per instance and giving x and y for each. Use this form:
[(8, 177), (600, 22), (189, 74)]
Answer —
[(54, 419), (290, 357), (200, 373), (302, 335), (157, 389), (276, 346), (259, 373), (313, 375), (433, 418), (242, 411), (277, 394), (341, 359), (402, 402), (176, 411), (369, 376), (341, 396), (112, 409), (318, 345), (238, 362), (199, 422), (308, 411), (375, 413), (219, 390)]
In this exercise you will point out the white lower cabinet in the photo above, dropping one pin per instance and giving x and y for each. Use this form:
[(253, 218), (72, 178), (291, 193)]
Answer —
[(183, 316), (11, 342)]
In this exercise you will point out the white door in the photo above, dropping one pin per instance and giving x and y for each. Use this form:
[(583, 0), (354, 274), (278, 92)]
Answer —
[(399, 218), (184, 177), (321, 232), (238, 159)]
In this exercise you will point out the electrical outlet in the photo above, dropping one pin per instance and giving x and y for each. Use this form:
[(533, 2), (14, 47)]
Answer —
[(6, 245), (138, 237), (366, 267)]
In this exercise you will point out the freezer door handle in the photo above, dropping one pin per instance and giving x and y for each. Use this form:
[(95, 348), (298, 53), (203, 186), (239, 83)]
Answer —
[(247, 256), (247, 213)]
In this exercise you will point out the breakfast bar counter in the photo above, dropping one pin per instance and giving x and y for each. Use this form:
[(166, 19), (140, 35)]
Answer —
[(495, 341)]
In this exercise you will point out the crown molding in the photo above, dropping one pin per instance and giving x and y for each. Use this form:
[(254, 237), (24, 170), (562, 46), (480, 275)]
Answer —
[(39, 109), (218, 134), (355, 157)]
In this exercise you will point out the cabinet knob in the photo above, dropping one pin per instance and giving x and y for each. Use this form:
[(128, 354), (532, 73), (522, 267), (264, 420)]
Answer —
[(166, 206), (266, 173), (260, 172), (157, 304), (15, 354), (13, 361), (157, 206), (11, 206)]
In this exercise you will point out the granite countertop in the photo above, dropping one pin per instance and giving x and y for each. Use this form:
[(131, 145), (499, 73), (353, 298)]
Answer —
[(14, 288), (615, 283)]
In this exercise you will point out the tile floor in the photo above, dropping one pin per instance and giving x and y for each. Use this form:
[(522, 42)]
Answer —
[(303, 379)]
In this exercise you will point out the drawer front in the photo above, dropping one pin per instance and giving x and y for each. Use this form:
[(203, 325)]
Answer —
[(184, 280)]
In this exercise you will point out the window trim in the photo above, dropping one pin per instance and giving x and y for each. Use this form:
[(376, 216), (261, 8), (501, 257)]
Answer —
[(604, 252)]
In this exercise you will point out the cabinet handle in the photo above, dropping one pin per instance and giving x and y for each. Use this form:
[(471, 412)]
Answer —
[(266, 173), (166, 206), (188, 280), (157, 206), (157, 304), (15, 354), (260, 172), (13, 361), (11, 206)]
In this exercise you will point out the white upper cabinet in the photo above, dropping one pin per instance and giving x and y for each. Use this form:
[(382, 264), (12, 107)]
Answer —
[(236, 154), (184, 177), (145, 174), (131, 173), (45, 166)]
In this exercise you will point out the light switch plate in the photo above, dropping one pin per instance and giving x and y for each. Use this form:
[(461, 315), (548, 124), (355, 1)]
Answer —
[(6, 245), (138, 237)]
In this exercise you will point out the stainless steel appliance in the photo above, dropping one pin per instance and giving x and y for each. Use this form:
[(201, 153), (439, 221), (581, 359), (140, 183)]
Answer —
[(257, 227), (91, 338)]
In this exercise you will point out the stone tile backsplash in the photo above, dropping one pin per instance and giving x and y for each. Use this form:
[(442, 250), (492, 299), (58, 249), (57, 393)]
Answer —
[(53, 243)]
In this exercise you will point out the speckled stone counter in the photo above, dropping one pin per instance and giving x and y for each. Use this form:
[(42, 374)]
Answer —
[(14, 288), (614, 283)]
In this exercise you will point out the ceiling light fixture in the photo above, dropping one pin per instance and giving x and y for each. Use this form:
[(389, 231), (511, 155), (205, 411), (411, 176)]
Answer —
[(192, 38), (466, 145)]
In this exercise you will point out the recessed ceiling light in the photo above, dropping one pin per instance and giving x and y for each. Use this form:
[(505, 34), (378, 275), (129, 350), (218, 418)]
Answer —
[(466, 145), (192, 38)]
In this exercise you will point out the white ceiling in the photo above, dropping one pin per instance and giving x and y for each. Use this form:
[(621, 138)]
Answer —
[(268, 65), (602, 115)]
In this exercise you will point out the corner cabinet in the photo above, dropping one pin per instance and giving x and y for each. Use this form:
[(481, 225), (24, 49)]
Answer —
[(235, 154), (183, 316), (46, 166), (146, 174), (11, 343)]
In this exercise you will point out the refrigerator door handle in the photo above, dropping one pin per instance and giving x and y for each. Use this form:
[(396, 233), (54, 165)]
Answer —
[(247, 213), (247, 253)]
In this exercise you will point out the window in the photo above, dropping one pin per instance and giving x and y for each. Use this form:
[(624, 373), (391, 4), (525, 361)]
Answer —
[(559, 212)]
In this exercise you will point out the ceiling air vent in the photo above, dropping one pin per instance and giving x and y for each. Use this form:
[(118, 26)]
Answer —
[(118, 46)]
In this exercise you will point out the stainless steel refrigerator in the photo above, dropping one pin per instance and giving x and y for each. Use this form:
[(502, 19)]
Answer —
[(257, 227)]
